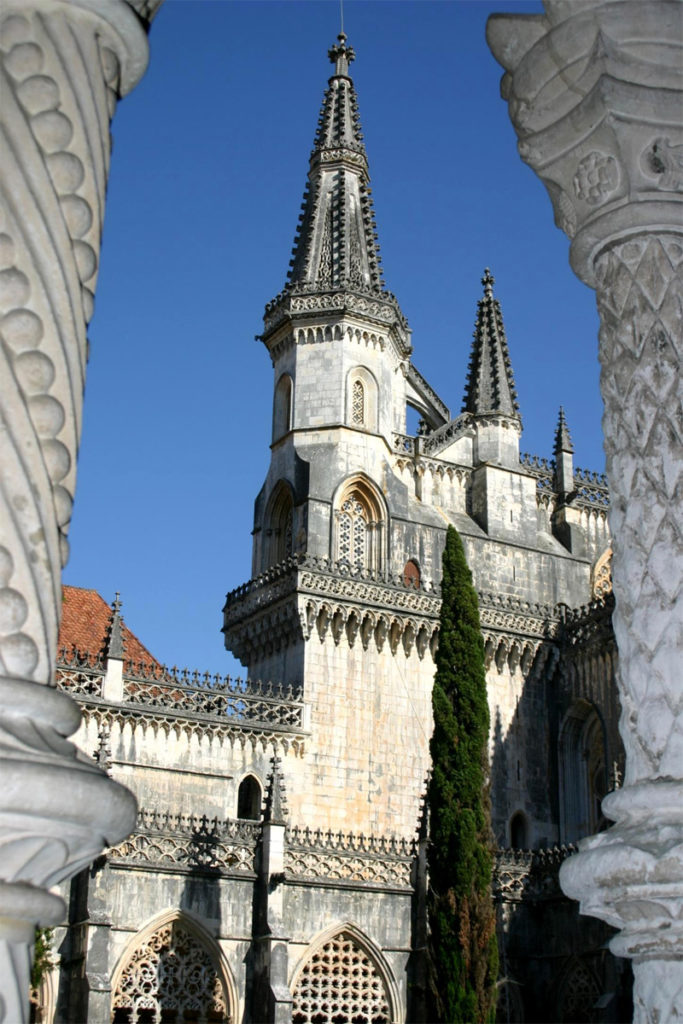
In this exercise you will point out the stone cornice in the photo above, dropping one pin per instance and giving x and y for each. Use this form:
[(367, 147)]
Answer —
[(303, 304), (161, 719)]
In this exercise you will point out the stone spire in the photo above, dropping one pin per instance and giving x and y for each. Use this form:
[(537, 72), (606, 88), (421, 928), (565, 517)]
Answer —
[(336, 242), (114, 644), (490, 388), (563, 441), (563, 450)]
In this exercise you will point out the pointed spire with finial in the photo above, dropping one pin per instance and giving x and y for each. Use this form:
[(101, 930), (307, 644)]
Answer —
[(563, 441), (275, 812), (563, 450), (114, 644), (336, 243), (490, 388)]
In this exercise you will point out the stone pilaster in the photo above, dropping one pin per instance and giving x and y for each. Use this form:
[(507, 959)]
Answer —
[(62, 68), (271, 998), (595, 93)]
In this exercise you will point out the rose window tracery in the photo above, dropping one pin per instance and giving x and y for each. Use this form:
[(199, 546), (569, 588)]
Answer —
[(170, 977), (340, 984)]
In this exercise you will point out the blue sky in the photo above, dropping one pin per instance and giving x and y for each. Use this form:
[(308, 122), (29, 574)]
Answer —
[(208, 171)]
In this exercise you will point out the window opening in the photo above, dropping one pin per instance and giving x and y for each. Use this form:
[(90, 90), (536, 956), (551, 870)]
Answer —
[(340, 984), (249, 799), (353, 533), (170, 977), (358, 403), (411, 574), (518, 832)]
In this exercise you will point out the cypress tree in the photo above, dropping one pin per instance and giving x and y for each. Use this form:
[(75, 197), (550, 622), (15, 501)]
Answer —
[(462, 945)]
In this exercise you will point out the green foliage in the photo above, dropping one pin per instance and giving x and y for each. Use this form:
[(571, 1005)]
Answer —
[(41, 955), (463, 949)]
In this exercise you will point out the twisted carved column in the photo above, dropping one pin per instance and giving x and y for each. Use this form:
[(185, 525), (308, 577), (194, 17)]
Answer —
[(62, 67), (595, 92)]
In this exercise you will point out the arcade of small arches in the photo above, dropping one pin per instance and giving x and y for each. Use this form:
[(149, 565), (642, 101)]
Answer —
[(174, 972), (354, 624)]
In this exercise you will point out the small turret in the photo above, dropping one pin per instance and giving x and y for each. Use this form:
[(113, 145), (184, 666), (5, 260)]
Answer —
[(566, 520), (114, 644), (114, 651), (563, 451)]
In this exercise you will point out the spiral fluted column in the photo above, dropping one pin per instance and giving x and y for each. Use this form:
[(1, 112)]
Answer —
[(63, 65), (595, 92)]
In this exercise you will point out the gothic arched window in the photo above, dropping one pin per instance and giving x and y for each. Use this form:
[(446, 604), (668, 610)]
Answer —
[(353, 532), (340, 982), (358, 403), (583, 772), (361, 398), (282, 407), (278, 542), (359, 526), (170, 976), (249, 799), (519, 834)]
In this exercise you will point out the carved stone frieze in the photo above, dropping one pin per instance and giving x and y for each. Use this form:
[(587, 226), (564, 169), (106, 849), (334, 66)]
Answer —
[(335, 857), (190, 843)]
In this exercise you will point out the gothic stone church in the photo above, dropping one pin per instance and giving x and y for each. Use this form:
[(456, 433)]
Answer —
[(277, 870)]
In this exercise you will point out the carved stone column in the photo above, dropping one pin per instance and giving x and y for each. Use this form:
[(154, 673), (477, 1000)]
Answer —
[(62, 67), (595, 92)]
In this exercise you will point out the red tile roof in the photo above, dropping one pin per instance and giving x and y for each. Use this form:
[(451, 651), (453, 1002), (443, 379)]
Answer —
[(85, 619)]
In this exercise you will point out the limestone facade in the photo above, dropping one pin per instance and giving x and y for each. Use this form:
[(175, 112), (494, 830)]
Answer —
[(279, 855)]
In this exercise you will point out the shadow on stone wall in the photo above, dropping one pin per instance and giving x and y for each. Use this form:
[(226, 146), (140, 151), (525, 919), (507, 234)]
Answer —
[(555, 964)]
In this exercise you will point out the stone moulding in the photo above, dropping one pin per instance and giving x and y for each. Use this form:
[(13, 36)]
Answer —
[(300, 303)]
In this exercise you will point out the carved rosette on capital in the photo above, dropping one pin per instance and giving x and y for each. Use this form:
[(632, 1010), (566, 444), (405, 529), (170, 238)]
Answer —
[(595, 93), (62, 68)]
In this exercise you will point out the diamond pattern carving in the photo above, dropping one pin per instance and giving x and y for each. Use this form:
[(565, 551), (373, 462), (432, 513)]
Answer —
[(639, 288)]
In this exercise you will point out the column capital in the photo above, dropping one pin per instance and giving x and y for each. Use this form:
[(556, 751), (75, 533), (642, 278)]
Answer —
[(595, 92)]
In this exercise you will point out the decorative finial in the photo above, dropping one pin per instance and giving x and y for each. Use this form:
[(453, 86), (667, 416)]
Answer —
[(102, 756), (488, 281), (341, 56), (114, 644), (563, 441), (276, 800)]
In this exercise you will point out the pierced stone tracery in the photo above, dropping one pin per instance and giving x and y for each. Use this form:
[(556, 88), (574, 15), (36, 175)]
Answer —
[(358, 403), (340, 983), (170, 977), (353, 527)]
